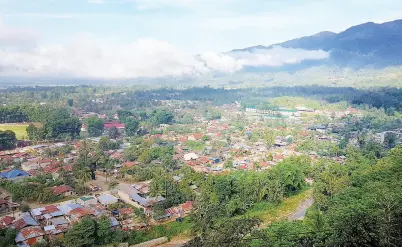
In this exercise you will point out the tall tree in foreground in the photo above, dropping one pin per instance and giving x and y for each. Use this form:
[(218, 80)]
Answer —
[(81, 234)]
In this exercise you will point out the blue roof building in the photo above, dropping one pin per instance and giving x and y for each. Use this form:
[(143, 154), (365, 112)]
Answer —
[(13, 174)]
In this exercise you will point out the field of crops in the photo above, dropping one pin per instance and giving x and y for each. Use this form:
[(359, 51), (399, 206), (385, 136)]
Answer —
[(19, 129)]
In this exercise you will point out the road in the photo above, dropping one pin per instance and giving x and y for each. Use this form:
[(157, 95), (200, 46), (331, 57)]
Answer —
[(301, 210)]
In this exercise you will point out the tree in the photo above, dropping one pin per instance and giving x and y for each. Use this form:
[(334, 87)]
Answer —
[(81, 234), (161, 117), (95, 126), (131, 126), (84, 176), (104, 235), (230, 233), (390, 139), (24, 207), (7, 139), (70, 102), (145, 157), (7, 237), (113, 133)]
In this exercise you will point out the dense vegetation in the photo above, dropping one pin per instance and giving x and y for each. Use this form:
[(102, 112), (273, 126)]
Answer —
[(356, 204)]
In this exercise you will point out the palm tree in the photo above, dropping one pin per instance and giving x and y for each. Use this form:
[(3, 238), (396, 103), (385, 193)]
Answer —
[(84, 176)]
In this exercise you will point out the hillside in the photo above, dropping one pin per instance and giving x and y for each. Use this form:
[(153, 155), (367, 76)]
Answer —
[(368, 44)]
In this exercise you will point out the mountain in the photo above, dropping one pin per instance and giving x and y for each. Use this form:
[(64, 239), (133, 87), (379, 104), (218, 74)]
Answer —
[(366, 45)]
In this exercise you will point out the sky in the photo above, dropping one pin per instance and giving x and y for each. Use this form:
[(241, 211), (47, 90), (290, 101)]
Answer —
[(115, 39)]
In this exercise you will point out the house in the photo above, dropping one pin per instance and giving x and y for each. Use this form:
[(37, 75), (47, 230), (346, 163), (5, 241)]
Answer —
[(30, 165), (52, 230), (107, 199), (58, 221), (30, 235), (77, 214), (23, 222), (87, 200), (190, 156), (126, 211), (66, 208), (119, 126), (14, 175), (195, 137), (64, 190), (46, 212), (142, 188), (113, 222), (6, 221), (129, 164), (4, 206)]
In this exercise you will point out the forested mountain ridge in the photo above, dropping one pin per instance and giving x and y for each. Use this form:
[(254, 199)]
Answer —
[(368, 44)]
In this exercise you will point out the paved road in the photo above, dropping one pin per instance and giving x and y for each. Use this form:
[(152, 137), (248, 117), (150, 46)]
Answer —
[(301, 210)]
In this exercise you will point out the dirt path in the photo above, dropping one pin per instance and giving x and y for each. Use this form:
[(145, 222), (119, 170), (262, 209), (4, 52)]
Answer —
[(301, 210)]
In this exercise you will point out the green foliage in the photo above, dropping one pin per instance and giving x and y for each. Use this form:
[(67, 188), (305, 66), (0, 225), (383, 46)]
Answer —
[(106, 144), (7, 140), (195, 145), (132, 125), (161, 117), (70, 102), (7, 237), (56, 124), (212, 114), (230, 233), (113, 133), (81, 234), (95, 126), (35, 189)]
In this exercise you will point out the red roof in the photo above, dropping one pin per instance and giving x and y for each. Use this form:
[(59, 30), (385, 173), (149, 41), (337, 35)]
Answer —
[(242, 167), (198, 136), (61, 189), (2, 201), (129, 164), (126, 211), (116, 155), (80, 212), (204, 160), (7, 220), (187, 206), (32, 232), (51, 209), (116, 125)]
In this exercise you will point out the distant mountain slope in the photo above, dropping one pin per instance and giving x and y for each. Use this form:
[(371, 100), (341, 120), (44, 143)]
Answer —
[(368, 44)]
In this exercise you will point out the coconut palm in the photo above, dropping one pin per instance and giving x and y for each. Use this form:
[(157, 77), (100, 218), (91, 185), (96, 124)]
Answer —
[(84, 176)]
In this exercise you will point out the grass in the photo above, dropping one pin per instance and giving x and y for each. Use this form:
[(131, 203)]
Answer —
[(19, 129), (195, 145), (173, 229), (270, 212)]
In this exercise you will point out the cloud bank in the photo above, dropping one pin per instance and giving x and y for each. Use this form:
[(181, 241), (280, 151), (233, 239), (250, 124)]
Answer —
[(92, 58)]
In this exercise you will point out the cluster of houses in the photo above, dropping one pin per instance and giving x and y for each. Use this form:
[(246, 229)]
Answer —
[(52, 221)]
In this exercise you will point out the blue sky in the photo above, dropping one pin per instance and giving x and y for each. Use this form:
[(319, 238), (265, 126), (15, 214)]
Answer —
[(194, 25), (55, 28)]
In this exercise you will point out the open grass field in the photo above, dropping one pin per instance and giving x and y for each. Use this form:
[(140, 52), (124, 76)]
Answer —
[(19, 129)]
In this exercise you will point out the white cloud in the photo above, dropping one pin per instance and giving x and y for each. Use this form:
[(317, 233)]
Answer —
[(89, 58), (274, 57), (15, 37)]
